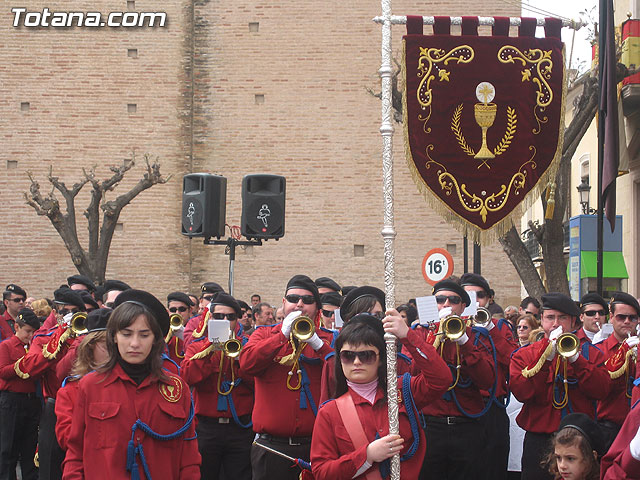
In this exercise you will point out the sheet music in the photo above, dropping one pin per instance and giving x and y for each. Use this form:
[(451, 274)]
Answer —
[(472, 309), (427, 309), (338, 323), (218, 331)]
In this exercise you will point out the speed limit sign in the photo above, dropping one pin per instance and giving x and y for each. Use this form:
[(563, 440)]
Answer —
[(437, 265)]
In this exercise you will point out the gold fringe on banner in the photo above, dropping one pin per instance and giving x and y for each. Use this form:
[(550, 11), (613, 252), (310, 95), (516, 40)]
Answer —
[(472, 231)]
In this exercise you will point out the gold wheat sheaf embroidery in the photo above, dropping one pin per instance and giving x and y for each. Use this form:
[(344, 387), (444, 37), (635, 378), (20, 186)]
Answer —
[(538, 67), (512, 120), (431, 59)]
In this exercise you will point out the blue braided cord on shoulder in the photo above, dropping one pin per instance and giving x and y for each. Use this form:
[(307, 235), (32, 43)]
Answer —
[(225, 401), (329, 355), (423, 420), (585, 350), (263, 326), (410, 406), (134, 450), (326, 401), (48, 334), (199, 339), (310, 361), (192, 438), (634, 405), (166, 357), (64, 382), (404, 357), (306, 390)]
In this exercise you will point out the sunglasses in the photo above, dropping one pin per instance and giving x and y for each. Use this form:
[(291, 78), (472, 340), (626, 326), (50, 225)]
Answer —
[(366, 357), (178, 309), (306, 299), (208, 298), (453, 299), (481, 294), (523, 327), (66, 311), (221, 316), (328, 313), (622, 317), (592, 313), (535, 315), (16, 300)]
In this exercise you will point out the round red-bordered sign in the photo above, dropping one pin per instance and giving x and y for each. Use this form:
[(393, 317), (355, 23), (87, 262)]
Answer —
[(437, 265)]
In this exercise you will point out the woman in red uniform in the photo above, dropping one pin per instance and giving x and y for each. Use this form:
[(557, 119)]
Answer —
[(132, 419), (350, 436)]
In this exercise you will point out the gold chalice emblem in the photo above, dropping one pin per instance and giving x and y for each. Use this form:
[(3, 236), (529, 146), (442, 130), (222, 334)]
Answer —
[(485, 114)]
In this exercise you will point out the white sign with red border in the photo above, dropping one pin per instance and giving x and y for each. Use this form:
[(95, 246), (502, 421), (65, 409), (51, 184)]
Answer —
[(437, 265)]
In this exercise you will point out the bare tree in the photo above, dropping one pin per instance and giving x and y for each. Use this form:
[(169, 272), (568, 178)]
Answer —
[(92, 261)]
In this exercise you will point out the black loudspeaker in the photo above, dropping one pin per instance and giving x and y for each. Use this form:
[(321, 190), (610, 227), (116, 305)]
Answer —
[(263, 199), (204, 205)]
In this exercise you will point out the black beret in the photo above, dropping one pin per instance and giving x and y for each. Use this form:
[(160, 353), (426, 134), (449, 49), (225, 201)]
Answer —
[(211, 287), (148, 301), (81, 280), (66, 296), (304, 282), (119, 285), (180, 297), (12, 288), (27, 317), (369, 320), (97, 320), (347, 289), (359, 292), (622, 297), (331, 298), (326, 282), (475, 280), (452, 287), (227, 300), (99, 293), (244, 306), (87, 298), (562, 303), (593, 298), (587, 427)]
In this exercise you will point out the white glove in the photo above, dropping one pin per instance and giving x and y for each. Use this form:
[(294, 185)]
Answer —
[(315, 342), (66, 320), (634, 446), (632, 341), (445, 312), (574, 357), (553, 336), (462, 339), (288, 321)]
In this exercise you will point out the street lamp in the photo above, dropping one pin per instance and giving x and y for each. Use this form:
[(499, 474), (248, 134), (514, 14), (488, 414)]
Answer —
[(583, 190)]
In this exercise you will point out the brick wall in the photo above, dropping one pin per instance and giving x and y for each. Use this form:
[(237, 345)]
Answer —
[(214, 95)]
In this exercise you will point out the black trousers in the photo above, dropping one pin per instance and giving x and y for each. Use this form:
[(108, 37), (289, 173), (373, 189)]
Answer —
[(50, 454), (610, 431), (535, 449), (496, 448), (224, 447), (453, 451), (19, 417), (269, 466)]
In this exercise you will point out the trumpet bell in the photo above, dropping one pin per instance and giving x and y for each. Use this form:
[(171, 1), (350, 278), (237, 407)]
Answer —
[(232, 348), (453, 327), (78, 323), (175, 322), (303, 328), (482, 318), (567, 345)]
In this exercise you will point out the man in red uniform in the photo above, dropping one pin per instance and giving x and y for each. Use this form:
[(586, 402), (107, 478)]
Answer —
[(551, 385), (622, 461), (46, 351), (223, 400), (13, 298), (593, 315), (198, 324), (495, 420), (287, 386), (618, 350), (19, 406), (454, 434)]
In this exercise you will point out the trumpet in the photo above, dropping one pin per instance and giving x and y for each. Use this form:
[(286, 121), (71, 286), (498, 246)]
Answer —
[(482, 317), (78, 323), (231, 348), (453, 327), (303, 328), (567, 345), (175, 323)]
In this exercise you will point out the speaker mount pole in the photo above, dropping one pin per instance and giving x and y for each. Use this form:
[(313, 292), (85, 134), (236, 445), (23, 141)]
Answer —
[(231, 244)]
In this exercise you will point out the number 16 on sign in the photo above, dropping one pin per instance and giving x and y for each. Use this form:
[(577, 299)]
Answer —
[(437, 265)]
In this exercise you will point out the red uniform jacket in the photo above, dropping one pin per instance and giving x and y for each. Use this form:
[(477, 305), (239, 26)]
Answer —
[(333, 455), (202, 375), (505, 344), (65, 408), (616, 406), (175, 349), (618, 463), (192, 324), (588, 382), (476, 373), (10, 352), (277, 409), (108, 406), (35, 364), (5, 329)]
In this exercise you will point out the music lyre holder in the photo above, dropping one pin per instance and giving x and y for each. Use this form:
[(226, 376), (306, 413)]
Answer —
[(231, 243)]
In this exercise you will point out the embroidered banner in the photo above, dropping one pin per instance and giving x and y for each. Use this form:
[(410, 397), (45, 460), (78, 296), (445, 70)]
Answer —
[(484, 120)]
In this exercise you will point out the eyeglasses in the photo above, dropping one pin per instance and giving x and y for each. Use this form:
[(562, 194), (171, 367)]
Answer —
[(221, 316), (535, 315), (593, 313), (328, 313), (366, 357), (481, 294), (622, 317), (453, 299), (306, 299), (378, 315), (523, 327), (208, 298), (178, 309), (66, 311), (16, 300)]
